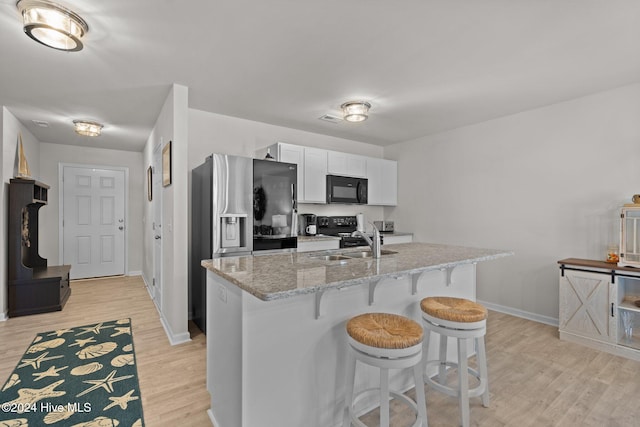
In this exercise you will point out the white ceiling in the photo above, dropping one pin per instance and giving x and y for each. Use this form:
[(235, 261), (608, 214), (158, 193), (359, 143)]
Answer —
[(426, 66)]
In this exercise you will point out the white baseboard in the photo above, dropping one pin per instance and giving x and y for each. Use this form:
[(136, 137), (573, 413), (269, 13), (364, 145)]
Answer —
[(3, 316), (174, 339), (134, 273), (212, 418), (521, 313)]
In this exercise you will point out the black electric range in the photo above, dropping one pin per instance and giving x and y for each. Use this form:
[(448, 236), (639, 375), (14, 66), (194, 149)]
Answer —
[(341, 226)]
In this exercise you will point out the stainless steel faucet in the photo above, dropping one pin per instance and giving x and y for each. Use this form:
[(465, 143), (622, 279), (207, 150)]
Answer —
[(374, 243)]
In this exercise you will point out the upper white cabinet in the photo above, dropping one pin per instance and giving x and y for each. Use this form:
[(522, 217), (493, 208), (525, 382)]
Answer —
[(315, 172), (383, 181), (312, 169), (314, 164), (345, 164)]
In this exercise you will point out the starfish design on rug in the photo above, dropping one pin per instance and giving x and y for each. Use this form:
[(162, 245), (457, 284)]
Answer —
[(60, 332), (95, 329), (84, 342), (29, 396), (122, 331), (35, 363), (106, 383), (121, 401), (51, 372)]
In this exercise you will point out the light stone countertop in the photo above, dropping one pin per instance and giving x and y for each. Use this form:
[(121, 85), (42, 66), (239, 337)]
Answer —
[(272, 277)]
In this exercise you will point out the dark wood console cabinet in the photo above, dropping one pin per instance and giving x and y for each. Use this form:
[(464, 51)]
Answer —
[(34, 287)]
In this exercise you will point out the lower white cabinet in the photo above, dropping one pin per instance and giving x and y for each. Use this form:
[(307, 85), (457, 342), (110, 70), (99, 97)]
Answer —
[(391, 239), (587, 305), (318, 245), (595, 308)]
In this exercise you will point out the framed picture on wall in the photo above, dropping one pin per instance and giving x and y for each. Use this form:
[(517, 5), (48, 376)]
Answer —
[(150, 183), (166, 165)]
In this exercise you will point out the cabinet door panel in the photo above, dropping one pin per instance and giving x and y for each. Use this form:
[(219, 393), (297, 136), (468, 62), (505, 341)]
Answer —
[(585, 305), (315, 171)]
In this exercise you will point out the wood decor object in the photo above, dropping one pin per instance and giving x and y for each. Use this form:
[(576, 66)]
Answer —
[(34, 287), (23, 166)]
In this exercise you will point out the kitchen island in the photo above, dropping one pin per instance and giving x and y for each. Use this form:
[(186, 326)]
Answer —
[(276, 343)]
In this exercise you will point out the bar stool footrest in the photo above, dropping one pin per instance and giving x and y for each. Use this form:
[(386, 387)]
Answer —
[(395, 394), (452, 391)]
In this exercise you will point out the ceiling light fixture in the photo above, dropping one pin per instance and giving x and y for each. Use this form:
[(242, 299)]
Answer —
[(355, 111), (52, 25), (87, 128)]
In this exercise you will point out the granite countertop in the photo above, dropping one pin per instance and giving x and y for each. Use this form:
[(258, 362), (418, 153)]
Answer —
[(395, 233), (271, 277)]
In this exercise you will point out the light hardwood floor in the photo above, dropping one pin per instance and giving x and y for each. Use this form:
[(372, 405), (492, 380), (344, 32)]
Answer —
[(172, 378), (535, 379)]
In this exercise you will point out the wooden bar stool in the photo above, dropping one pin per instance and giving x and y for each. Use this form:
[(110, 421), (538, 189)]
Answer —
[(386, 341), (461, 319)]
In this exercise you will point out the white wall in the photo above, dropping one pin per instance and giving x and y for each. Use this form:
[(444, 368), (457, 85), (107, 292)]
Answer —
[(546, 183), (51, 156), (171, 125), (10, 128)]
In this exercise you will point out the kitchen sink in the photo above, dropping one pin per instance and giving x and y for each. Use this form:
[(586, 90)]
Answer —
[(367, 254)]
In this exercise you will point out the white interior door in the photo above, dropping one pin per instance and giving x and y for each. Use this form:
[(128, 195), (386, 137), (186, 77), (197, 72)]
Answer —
[(157, 227), (93, 221)]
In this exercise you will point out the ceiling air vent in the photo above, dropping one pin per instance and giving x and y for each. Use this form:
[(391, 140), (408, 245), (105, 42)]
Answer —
[(330, 118), (41, 123)]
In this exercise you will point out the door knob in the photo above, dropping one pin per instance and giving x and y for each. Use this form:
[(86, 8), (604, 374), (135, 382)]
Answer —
[(157, 237), (121, 228)]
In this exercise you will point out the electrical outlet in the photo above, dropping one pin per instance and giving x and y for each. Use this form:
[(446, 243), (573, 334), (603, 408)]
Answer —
[(222, 293)]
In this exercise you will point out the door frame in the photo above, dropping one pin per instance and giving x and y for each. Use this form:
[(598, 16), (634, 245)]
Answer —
[(124, 169), (157, 205)]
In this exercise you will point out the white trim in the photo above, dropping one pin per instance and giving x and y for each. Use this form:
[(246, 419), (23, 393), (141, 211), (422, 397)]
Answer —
[(135, 273), (3, 317), (521, 313), (212, 418), (125, 169), (173, 338)]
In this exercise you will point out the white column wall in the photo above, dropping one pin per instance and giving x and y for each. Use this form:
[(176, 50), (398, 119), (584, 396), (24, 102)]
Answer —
[(547, 183), (172, 125)]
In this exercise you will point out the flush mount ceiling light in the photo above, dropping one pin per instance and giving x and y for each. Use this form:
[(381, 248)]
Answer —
[(87, 128), (355, 111), (52, 25)]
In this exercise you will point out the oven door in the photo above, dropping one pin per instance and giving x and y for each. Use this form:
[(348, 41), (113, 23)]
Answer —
[(344, 189)]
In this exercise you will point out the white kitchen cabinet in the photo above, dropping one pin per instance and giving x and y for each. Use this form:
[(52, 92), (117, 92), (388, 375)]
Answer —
[(587, 302), (315, 163), (317, 245), (383, 181), (312, 169), (315, 175), (345, 164), (594, 295), (392, 239)]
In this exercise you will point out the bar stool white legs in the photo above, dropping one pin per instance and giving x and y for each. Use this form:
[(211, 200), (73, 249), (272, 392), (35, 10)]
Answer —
[(368, 345), (469, 324)]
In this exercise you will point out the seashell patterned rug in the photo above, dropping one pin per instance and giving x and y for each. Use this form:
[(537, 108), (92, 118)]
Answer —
[(75, 377)]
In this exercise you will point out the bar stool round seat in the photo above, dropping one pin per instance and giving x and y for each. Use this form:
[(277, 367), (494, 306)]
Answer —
[(462, 320), (386, 341)]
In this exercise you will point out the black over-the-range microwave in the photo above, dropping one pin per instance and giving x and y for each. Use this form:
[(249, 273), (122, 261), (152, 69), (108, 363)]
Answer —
[(345, 189)]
